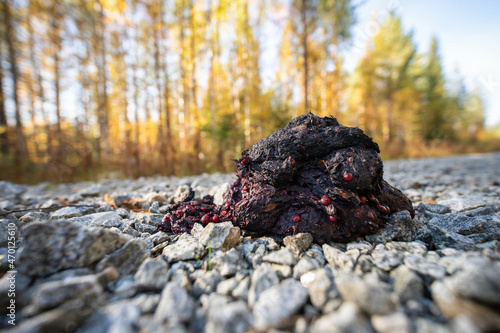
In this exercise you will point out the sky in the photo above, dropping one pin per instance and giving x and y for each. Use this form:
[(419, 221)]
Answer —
[(468, 33)]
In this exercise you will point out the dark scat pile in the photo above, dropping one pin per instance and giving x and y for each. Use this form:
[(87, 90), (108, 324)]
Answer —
[(313, 176)]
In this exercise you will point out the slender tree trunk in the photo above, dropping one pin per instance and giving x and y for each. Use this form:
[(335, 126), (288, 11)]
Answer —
[(21, 152), (305, 55), (247, 84), (4, 144), (197, 163)]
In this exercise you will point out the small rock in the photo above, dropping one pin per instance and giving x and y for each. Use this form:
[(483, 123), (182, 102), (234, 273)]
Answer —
[(186, 248), (175, 304), (232, 239), (143, 227), (242, 290), (407, 284), (452, 306), (218, 193), (397, 322), (429, 270), (214, 234), (149, 218), (226, 287), (304, 265), (34, 217), (319, 286), (316, 252), (400, 227), (283, 271), (444, 239), (262, 278), (338, 258), (370, 294), (277, 304), (84, 288), (197, 230), (114, 317), (228, 263), (462, 204), (299, 243), (126, 259), (386, 260), (152, 274), (147, 303), (8, 190), (206, 283), (234, 317), (183, 193), (363, 247), (66, 213), (284, 256), (50, 247), (408, 247), (460, 223), (348, 319)]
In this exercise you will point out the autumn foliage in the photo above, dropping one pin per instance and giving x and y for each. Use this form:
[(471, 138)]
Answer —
[(141, 87)]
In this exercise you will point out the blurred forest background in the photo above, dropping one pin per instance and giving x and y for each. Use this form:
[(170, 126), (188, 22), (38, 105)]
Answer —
[(130, 88)]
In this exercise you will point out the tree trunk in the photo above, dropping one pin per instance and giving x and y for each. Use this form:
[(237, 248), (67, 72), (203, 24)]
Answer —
[(305, 55), (4, 144), (21, 152)]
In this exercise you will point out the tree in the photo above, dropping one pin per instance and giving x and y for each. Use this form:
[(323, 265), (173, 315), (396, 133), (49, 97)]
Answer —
[(434, 119), (10, 36), (4, 143), (337, 18)]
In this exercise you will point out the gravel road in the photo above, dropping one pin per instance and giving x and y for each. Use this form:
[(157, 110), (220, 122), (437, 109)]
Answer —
[(88, 258)]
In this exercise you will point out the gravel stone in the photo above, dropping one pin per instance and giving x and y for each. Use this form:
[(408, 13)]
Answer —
[(407, 284), (175, 304), (299, 243), (370, 294), (152, 274), (397, 322), (348, 319), (319, 284), (304, 265), (126, 259), (234, 317), (277, 304), (284, 256), (61, 245), (338, 258), (215, 234), (186, 248), (400, 227), (263, 278)]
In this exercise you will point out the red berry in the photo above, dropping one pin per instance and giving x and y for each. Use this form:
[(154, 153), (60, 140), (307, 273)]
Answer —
[(371, 197), (245, 188), (205, 219), (179, 213), (223, 213), (195, 204), (357, 213), (296, 219), (244, 162), (383, 209), (332, 219), (215, 219), (293, 161), (190, 208), (347, 176), (326, 201), (351, 159), (362, 200), (166, 218), (203, 209), (226, 206)]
